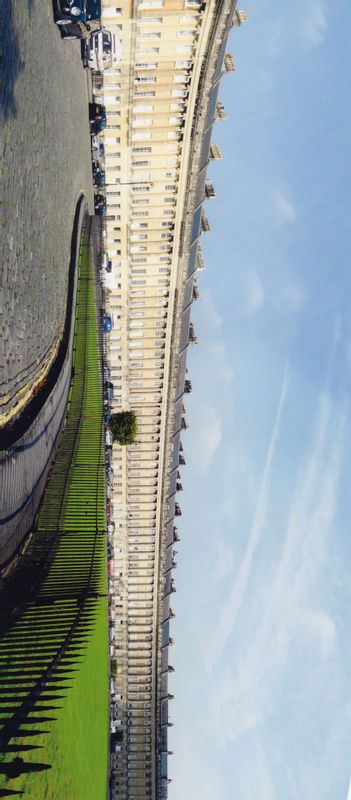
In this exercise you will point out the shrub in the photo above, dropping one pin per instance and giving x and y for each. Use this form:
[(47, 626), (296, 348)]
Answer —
[(123, 427)]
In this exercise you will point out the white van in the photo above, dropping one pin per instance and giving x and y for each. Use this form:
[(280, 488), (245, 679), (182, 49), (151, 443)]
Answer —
[(103, 51)]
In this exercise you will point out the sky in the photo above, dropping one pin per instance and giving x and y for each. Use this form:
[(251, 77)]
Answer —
[(262, 652)]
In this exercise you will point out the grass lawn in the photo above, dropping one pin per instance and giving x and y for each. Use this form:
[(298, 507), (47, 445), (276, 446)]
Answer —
[(54, 647)]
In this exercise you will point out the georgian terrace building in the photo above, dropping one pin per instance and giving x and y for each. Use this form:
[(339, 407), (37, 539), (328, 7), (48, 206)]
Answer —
[(161, 104)]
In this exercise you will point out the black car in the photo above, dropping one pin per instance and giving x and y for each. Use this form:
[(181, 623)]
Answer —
[(98, 175), (77, 18), (100, 204), (97, 117)]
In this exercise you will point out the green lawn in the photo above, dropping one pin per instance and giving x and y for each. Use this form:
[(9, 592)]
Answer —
[(54, 648)]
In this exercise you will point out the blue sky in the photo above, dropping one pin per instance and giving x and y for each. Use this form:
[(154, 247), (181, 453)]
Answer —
[(262, 635)]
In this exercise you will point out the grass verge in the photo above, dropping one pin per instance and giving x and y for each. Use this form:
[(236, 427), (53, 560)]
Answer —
[(53, 630)]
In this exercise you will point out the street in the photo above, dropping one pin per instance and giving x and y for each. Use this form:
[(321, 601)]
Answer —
[(45, 164)]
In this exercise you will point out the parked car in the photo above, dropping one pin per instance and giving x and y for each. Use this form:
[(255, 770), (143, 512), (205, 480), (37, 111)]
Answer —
[(97, 117), (102, 50), (107, 323), (78, 18), (109, 474), (99, 204), (109, 391), (97, 147), (98, 174), (97, 112)]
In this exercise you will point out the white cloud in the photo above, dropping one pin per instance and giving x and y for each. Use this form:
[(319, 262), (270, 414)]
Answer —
[(197, 777), (223, 565), (295, 296), (292, 621), (208, 435), (275, 39), (211, 318), (210, 325), (234, 600), (314, 23), (252, 293), (284, 210)]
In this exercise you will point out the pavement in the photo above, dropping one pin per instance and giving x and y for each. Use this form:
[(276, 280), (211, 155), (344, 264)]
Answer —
[(24, 467), (45, 164)]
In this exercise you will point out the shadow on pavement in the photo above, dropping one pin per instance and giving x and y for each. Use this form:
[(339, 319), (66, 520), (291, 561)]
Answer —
[(11, 63)]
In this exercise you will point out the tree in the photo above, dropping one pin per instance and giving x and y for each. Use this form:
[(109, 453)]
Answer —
[(124, 427)]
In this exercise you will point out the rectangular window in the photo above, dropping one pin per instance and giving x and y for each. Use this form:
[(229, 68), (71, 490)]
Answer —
[(179, 92), (141, 51), (146, 79), (112, 101), (138, 271), (141, 150), (142, 108), (149, 34), (146, 65), (183, 64), (141, 164), (141, 136), (184, 48), (152, 20), (140, 201), (181, 78), (142, 122), (189, 32), (170, 187), (146, 93), (136, 282), (150, 4), (140, 213)]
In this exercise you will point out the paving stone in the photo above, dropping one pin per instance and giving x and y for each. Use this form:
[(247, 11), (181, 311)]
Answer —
[(46, 163)]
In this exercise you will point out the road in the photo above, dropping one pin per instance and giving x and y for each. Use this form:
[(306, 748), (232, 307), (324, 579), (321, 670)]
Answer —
[(44, 165)]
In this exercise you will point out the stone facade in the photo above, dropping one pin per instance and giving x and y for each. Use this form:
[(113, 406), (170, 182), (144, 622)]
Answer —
[(161, 104)]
